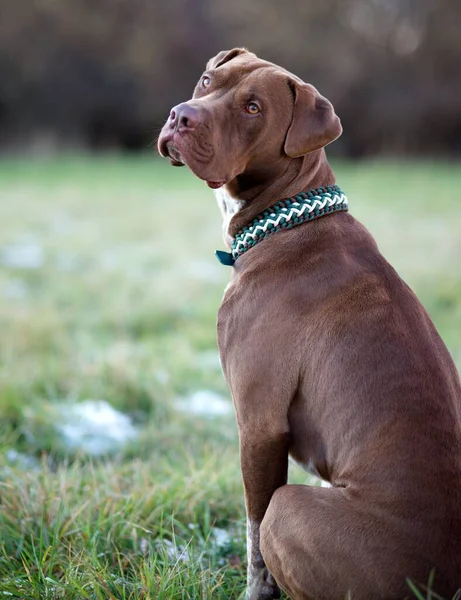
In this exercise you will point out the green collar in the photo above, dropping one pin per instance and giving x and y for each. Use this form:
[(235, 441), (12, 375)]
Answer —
[(286, 214)]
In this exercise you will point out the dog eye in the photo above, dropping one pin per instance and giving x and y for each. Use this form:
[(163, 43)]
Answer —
[(206, 81), (252, 108)]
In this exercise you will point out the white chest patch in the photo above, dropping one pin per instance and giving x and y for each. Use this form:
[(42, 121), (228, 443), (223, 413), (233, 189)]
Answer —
[(229, 207)]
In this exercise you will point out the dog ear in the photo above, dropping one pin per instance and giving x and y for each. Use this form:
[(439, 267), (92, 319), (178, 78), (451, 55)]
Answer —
[(225, 56), (315, 123)]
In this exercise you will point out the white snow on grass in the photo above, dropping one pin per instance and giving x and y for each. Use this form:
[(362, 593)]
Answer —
[(205, 403), (21, 460), (26, 255), (220, 538), (95, 427), (175, 553)]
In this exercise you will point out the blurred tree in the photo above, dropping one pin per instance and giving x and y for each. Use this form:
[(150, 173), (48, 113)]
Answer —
[(104, 73)]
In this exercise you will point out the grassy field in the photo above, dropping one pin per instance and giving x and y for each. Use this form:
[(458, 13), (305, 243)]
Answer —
[(108, 297)]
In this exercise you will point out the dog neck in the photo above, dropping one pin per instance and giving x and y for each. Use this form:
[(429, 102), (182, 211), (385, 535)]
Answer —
[(249, 194), (229, 208)]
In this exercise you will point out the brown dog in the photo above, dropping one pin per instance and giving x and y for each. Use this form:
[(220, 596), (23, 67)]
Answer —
[(329, 357)]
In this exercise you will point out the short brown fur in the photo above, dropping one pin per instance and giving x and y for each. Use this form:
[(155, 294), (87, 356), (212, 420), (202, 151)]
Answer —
[(329, 357)]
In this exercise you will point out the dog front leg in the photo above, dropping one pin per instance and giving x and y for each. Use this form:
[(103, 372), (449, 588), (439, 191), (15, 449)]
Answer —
[(264, 469)]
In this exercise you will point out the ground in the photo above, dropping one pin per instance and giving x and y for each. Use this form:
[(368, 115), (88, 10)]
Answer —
[(119, 474)]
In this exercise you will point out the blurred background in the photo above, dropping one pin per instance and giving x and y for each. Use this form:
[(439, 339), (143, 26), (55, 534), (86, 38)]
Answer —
[(119, 466), (99, 74)]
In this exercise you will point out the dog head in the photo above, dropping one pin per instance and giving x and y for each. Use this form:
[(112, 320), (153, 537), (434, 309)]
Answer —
[(247, 117)]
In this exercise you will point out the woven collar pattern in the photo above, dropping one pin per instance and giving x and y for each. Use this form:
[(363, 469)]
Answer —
[(286, 214)]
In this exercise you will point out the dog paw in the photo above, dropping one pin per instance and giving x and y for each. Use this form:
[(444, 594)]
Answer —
[(265, 593), (262, 587)]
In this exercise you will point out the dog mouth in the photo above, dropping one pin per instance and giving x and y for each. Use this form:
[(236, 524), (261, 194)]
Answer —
[(168, 148), (214, 185)]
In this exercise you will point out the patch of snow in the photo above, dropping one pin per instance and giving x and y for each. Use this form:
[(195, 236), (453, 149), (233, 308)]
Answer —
[(173, 552), (21, 460), (95, 427), (27, 255), (219, 537), (206, 403)]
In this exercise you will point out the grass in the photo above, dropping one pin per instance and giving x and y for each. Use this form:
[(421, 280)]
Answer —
[(109, 290)]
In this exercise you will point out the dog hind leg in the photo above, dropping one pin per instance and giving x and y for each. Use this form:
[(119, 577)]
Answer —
[(321, 544)]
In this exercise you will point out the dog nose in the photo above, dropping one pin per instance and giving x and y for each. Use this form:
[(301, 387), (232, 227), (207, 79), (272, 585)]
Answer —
[(184, 116)]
